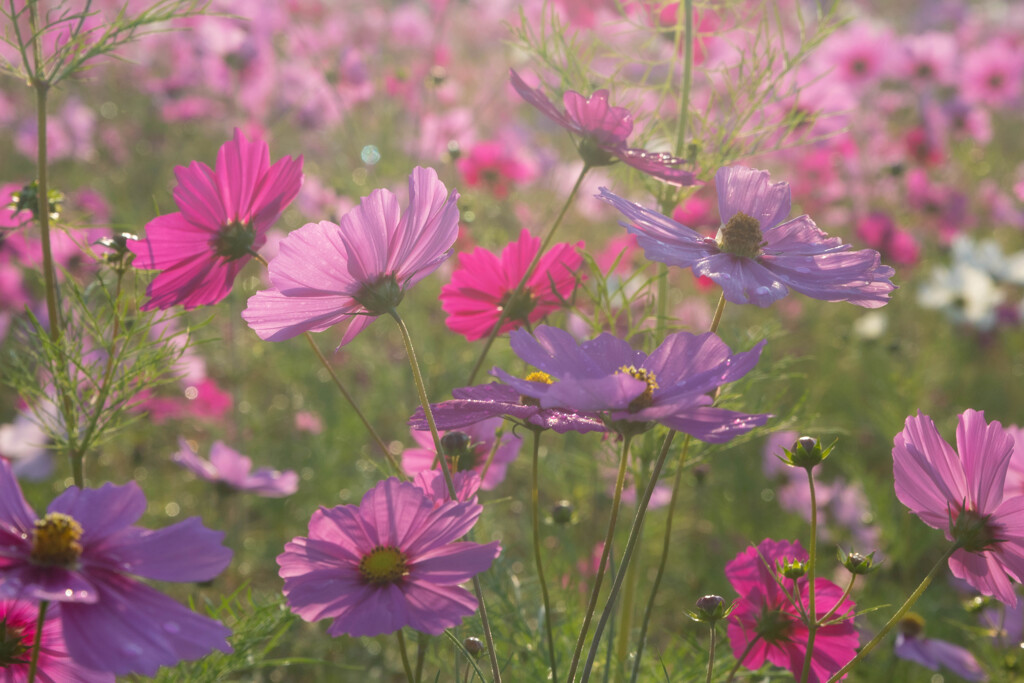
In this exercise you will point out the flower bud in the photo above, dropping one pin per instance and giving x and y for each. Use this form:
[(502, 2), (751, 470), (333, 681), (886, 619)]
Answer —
[(806, 453), (561, 513), (857, 563), (474, 646), (711, 608), (792, 569)]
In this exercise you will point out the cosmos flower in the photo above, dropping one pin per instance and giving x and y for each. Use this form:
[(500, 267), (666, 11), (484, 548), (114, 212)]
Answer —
[(474, 404), (759, 256), (494, 165), (233, 469), (223, 220), (82, 553), (766, 622), (933, 653), (602, 131), (469, 449), (605, 375), (963, 495), (326, 274), (390, 562), (482, 286), (17, 634)]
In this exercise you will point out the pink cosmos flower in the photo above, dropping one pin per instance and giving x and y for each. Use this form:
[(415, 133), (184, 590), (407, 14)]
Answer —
[(880, 232), (17, 634), (390, 562), (963, 495), (993, 74), (602, 131), (233, 469), (482, 286), (469, 449), (767, 621), (492, 164), (759, 255), (325, 274), (224, 216), (81, 553)]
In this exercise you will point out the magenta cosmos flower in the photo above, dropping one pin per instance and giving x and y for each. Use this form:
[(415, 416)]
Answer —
[(229, 467), (325, 274), (601, 131), (82, 553), (482, 286), (475, 447), (758, 255), (767, 621), (224, 216), (963, 495), (605, 375), (390, 562), (17, 634)]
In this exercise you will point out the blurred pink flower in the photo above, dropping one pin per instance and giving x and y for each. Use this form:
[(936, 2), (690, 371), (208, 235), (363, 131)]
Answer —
[(964, 496), (993, 74), (493, 165), (468, 448), (307, 421), (387, 563), (230, 467), (224, 217), (204, 400), (18, 622), (896, 246), (327, 274)]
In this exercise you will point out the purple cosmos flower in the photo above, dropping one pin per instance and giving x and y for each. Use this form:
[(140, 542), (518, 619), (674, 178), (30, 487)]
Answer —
[(605, 375), (81, 554), (230, 467), (474, 447), (390, 562), (224, 218), (933, 653), (602, 131), (18, 621), (963, 495), (759, 256), (325, 274), (476, 403)]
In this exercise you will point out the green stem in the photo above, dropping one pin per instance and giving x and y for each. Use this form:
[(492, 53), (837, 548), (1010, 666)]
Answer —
[(811, 618), (596, 590), (918, 592), (421, 390), (517, 292), (535, 503), (711, 653), (828, 615), (634, 536), (421, 654), (37, 641), (405, 656), (684, 94)]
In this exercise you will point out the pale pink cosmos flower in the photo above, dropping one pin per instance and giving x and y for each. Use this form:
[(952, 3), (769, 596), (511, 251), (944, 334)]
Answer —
[(229, 467), (390, 562), (964, 496), (993, 74), (224, 216), (327, 274)]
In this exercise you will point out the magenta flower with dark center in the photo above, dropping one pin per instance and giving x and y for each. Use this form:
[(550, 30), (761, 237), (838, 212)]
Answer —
[(767, 621), (632, 390), (234, 470), (224, 216), (601, 131), (390, 562), (482, 401), (963, 495), (327, 274), (18, 621), (83, 554), (758, 255)]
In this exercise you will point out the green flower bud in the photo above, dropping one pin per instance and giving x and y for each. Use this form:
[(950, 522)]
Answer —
[(856, 563), (792, 569), (562, 512)]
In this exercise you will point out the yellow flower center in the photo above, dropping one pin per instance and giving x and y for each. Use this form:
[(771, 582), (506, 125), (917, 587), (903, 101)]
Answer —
[(537, 376), (384, 565), (55, 541), (647, 398), (741, 236)]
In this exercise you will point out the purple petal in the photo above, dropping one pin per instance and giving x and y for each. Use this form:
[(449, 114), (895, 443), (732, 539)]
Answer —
[(660, 165), (985, 452), (985, 573), (662, 239), (425, 237), (749, 191), (54, 584), (186, 551), (15, 513), (273, 316), (713, 425), (190, 460), (431, 608), (928, 475), (454, 563), (102, 512), (539, 100), (610, 392), (743, 280)]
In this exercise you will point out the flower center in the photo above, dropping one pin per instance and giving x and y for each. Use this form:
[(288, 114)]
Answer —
[(536, 376), (645, 399), (774, 626), (381, 296), (517, 307), (911, 625), (14, 646), (384, 565), (972, 531), (234, 240), (55, 541), (741, 236), (593, 154)]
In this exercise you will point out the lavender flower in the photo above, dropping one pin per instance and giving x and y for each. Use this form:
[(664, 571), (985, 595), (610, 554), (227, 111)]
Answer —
[(233, 469)]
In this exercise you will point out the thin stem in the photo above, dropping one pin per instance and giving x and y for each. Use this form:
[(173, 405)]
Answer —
[(684, 94), (739, 660), (595, 591), (517, 292), (918, 592), (421, 654), (421, 390), (711, 653), (405, 656), (634, 536), (717, 318), (37, 641), (535, 503), (811, 619), (828, 615)]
